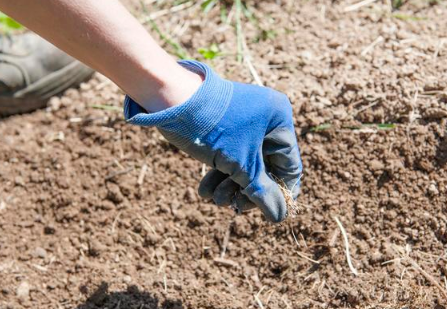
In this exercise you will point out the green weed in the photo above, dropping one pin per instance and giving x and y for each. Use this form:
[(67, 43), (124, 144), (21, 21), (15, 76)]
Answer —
[(239, 34), (210, 53), (265, 35), (208, 5), (397, 4), (322, 127), (7, 24), (377, 126), (408, 17)]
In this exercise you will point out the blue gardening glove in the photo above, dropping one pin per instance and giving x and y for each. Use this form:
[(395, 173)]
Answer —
[(244, 132)]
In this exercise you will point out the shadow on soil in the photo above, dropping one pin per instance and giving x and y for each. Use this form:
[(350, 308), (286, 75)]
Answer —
[(128, 299)]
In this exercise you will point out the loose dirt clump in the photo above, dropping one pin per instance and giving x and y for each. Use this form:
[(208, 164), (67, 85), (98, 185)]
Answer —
[(79, 229)]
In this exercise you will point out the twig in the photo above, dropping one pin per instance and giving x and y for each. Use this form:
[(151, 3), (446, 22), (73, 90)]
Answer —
[(142, 174), (242, 49), (270, 293), (358, 5), (345, 238), (438, 48), (334, 238), (169, 239), (115, 221), (365, 108), (118, 173), (426, 275), (368, 48), (258, 300), (239, 34), (307, 258), (283, 298), (304, 240), (251, 68), (413, 115), (294, 237), (162, 266), (302, 254), (165, 284), (226, 239), (225, 262)]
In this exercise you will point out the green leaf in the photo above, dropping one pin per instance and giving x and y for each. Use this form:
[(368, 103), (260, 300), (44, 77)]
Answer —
[(386, 126), (408, 17), (8, 24), (321, 127), (208, 5), (223, 14), (396, 4), (378, 126), (211, 52)]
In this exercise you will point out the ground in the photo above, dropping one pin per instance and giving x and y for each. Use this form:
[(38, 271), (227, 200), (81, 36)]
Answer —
[(95, 213)]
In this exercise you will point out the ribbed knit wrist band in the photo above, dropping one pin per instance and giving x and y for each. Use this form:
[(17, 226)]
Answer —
[(194, 118)]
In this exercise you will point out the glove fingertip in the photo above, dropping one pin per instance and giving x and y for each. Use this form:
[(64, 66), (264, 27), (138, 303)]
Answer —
[(205, 191), (267, 195), (209, 183)]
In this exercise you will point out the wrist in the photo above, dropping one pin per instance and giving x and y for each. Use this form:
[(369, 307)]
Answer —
[(196, 116), (166, 86)]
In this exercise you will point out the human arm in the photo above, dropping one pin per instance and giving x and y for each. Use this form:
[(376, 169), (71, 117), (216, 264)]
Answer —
[(106, 37), (244, 132)]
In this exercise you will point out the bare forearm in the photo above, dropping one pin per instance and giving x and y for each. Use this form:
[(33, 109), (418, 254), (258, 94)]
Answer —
[(105, 36)]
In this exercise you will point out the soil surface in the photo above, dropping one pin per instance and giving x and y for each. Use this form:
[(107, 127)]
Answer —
[(95, 213)]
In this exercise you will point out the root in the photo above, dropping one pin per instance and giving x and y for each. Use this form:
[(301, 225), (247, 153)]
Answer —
[(345, 238)]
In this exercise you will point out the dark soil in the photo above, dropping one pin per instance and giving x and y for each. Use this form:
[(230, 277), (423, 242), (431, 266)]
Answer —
[(78, 231)]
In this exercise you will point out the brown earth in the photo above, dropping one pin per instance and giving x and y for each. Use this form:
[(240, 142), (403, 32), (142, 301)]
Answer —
[(78, 231)]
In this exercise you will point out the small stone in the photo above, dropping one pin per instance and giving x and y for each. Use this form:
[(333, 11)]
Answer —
[(49, 230), (376, 257), (54, 104), (376, 165), (114, 194), (127, 279), (13, 160), (190, 195), (432, 190), (95, 248), (152, 239), (40, 252), (19, 181), (2, 205), (23, 290)]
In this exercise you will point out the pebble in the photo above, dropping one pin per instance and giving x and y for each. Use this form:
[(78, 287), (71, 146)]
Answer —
[(23, 290), (432, 190), (376, 165), (190, 195), (40, 252)]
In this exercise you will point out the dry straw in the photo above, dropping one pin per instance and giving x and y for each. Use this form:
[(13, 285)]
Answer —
[(292, 206)]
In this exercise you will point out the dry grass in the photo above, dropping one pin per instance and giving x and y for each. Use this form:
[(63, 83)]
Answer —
[(293, 209)]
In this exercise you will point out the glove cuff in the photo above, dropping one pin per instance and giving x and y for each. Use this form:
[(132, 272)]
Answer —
[(194, 118)]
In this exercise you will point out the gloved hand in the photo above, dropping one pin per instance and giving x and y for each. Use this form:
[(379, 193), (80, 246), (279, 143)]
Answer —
[(244, 132)]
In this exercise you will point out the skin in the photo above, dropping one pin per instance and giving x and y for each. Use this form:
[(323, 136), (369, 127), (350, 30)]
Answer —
[(105, 36)]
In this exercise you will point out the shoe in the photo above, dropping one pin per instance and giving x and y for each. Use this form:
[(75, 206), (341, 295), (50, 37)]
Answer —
[(32, 70)]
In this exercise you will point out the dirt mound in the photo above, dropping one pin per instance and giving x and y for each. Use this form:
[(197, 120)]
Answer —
[(95, 213)]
